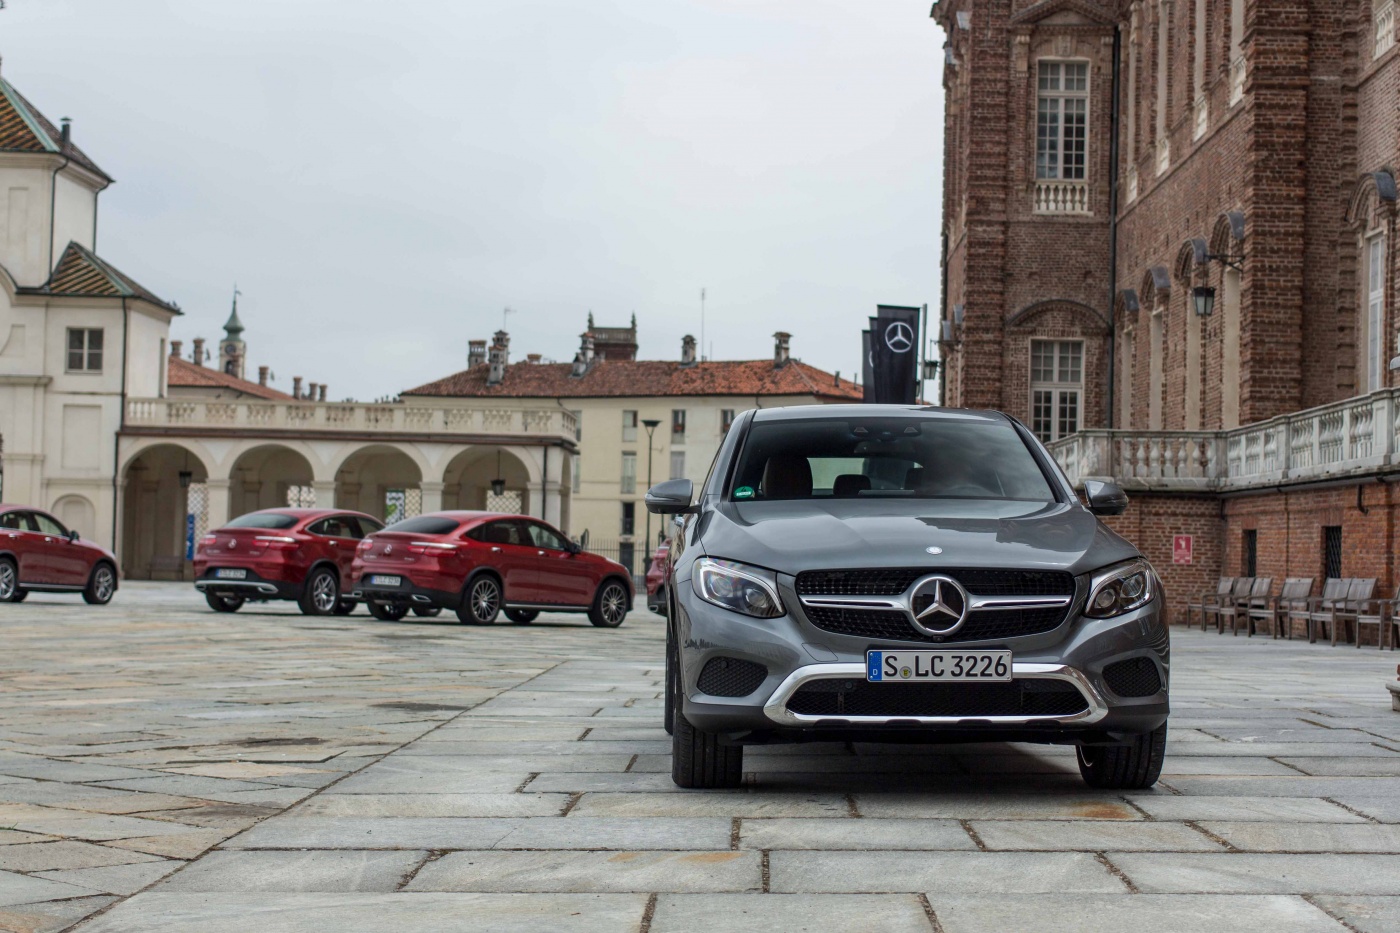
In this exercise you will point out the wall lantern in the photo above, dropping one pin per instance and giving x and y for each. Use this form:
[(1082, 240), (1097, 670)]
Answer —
[(1204, 297), (185, 478), (498, 485)]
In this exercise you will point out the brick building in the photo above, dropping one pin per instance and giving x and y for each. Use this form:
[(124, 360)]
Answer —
[(1170, 247)]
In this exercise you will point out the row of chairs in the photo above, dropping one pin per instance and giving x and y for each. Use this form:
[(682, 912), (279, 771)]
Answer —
[(1347, 605)]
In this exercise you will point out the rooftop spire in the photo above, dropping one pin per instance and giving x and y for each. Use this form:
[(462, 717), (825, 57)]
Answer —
[(234, 327)]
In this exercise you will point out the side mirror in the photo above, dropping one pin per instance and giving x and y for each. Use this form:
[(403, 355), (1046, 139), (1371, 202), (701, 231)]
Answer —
[(572, 546), (73, 535), (671, 497), (1105, 498)]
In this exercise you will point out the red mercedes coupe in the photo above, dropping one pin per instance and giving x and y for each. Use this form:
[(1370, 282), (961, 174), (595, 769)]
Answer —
[(39, 555), (296, 554), (481, 563)]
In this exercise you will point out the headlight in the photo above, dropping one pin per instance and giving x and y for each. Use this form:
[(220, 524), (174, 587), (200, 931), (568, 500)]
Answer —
[(737, 587), (1121, 588)]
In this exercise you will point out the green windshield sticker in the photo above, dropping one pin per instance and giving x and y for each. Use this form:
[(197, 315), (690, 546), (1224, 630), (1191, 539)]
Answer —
[(744, 492)]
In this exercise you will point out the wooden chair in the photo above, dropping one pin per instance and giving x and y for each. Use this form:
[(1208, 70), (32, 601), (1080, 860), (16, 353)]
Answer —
[(1210, 600), (1384, 614), (1293, 597), (1318, 608), (1257, 600), (1294, 589), (1347, 609), (1230, 607)]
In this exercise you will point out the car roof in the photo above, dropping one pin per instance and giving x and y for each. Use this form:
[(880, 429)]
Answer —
[(814, 412), (460, 515)]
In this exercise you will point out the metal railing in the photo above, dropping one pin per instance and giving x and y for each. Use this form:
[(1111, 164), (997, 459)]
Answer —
[(1353, 437), (411, 417)]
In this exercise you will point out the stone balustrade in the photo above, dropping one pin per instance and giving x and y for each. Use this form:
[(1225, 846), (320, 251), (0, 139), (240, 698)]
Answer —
[(413, 417), (1385, 29), (1351, 438), (1061, 197)]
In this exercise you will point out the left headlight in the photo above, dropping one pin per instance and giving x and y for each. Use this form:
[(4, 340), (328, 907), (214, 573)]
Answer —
[(1121, 588), (737, 587)]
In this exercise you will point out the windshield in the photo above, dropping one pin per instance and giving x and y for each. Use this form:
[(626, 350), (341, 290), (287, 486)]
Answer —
[(908, 458), (263, 520)]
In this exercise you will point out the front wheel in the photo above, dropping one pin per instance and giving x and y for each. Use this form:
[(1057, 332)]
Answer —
[(609, 606), (388, 612), (101, 586), (1133, 765), (482, 603), (321, 594), (522, 616), (221, 603), (697, 758), (9, 582)]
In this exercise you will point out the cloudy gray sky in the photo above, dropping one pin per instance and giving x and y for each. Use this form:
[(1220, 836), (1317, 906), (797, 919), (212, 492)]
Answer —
[(382, 178)]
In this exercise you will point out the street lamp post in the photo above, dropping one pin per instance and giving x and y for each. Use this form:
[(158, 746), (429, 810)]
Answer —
[(650, 424)]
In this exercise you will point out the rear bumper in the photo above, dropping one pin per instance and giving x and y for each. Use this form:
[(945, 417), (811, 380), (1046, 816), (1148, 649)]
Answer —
[(252, 587), (406, 592)]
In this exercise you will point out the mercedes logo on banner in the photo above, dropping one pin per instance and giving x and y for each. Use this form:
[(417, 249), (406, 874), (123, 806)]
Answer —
[(899, 337)]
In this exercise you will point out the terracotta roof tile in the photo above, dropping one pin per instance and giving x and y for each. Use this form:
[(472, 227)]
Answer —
[(184, 374), (630, 378), (24, 129), (81, 273)]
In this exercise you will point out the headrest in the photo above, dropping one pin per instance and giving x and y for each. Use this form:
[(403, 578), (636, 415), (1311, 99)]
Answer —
[(850, 485), (786, 476)]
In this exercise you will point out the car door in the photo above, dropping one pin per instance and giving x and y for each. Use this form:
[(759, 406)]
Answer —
[(21, 537), (510, 550), (337, 536), (362, 526), (63, 563), (564, 580)]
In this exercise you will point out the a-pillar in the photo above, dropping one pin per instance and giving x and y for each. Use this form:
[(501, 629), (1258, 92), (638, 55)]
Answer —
[(325, 494), (218, 502), (432, 496)]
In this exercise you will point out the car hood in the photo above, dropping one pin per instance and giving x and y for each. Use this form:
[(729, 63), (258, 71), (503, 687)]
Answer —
[(792, 536)]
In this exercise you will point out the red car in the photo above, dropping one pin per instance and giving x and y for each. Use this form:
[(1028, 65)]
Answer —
[(297, 554), (656, 579), (39, 555), (480, 563)]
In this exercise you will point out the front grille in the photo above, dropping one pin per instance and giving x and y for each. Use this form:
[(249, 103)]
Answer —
[(731, 677), (1016, 698), (893, 624), (1135, 677), (891, 581)]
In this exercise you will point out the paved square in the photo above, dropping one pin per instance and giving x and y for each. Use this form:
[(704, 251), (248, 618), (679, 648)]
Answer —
[(166, 769)]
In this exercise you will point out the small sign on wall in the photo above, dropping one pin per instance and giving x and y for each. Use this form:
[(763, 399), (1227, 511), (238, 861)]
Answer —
[(1182, 546)]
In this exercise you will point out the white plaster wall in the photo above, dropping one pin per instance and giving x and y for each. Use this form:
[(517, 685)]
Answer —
[(74, 212), (146, 348), (25, 190)]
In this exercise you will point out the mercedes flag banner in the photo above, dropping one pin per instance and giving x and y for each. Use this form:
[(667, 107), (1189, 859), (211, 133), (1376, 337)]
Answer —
[(867, 376), (893, 357)]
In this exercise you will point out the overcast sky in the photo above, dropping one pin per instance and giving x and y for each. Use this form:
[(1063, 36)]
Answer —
[(382, 178)]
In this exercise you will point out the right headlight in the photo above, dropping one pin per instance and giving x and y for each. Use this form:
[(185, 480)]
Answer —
[(737, 587), (1121, 588)]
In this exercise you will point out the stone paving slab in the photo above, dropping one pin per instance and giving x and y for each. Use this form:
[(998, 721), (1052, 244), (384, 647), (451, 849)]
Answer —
[(943, 872), (1147, 913), (791, 913), (1058, 836), (1308, 837), (1364, 914), (1251, 873), (1292, 810), (854, 834), (591, 871), (341, 870)]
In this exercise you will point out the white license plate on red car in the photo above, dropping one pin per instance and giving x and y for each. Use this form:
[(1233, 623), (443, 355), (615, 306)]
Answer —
[(229, 573), (910, 666), (380, 579)]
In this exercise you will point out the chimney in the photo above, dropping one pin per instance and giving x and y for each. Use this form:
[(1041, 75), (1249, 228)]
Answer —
[(497, 360), (780, 349), (321, 393), (533, 357), (311, 391), (502, 340), (198, 358), (67, 131), (262, 375), (476, 353), (296, 387), (176, 346), (687, 350)]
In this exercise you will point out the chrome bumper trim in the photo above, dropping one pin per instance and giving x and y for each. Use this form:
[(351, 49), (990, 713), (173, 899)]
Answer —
[(776, 707), (202, 585)]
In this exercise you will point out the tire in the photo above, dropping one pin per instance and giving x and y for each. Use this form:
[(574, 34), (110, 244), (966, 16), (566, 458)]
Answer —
[(482, 601), (1133, 765), (669, 723), (223, 603), (9, 582), (427, 612), (388, 612), (663, 606), (522, 616), (321, 593), (609, 605), (101, 585), (345, 607), (698, 759)]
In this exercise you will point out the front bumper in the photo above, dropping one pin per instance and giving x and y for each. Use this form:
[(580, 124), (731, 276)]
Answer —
[(796, 653)]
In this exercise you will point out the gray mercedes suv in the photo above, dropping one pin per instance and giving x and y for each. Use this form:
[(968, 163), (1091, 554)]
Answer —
[(892, 573)]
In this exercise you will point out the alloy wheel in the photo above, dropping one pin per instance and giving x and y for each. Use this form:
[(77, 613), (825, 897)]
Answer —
[(486, 598), (323, 593), (613, 604), (103, 584), (7, 581)]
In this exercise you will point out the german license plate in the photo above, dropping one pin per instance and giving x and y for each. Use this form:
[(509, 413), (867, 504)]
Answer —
[(900, 666), (228, 573), (381, 580)]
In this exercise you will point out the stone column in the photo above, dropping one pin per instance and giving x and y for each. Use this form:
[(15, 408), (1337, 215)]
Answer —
[(218, 502), (432, 496), (325, 494)]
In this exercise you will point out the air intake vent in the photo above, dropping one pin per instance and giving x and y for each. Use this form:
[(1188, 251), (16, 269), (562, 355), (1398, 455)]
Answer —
[(731, 677), (1017, 698), (1135, 677)]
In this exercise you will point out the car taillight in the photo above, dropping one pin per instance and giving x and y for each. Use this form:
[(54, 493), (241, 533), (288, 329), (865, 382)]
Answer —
[(209, 539), (422, 547), (364, 546), (278, 542)]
